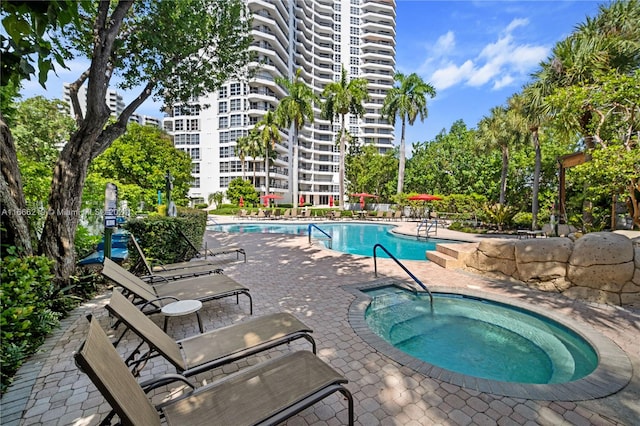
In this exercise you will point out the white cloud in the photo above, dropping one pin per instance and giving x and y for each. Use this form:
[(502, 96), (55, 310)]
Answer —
[(500, 63), (505, 81), (451, 75), (445, 43), (518, 22)]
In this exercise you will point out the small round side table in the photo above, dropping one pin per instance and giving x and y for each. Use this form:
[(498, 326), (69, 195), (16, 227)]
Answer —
[(180, 308)]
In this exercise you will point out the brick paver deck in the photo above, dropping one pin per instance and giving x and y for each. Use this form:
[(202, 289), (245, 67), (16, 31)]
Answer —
[(285, 273)]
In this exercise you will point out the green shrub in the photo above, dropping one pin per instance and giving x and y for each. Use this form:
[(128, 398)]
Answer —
[(85, 243), (27, 296), (201, 206), (523, 220), (158, 236), (500, 215)]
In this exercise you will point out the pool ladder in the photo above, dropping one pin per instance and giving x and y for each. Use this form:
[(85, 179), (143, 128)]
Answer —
[(312, 225), (427, 224), (375, 268)]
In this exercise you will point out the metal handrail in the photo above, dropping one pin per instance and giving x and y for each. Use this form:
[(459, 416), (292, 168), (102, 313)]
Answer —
[(375, 268), (313, 225), (430, 225)]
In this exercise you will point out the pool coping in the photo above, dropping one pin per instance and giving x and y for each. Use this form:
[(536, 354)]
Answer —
[(613, 373)]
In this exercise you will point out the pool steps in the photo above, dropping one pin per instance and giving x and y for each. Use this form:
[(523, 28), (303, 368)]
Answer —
[(409, 329), (451, 256)]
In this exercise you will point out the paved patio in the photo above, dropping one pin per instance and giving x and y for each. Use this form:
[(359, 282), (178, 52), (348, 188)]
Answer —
[(285, 273)]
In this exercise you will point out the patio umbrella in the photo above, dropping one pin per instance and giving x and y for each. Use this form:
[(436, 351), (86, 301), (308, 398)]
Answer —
[(301, 201), (362, 196), (424, 197), (330, 201), (269, 197), (241, 202)]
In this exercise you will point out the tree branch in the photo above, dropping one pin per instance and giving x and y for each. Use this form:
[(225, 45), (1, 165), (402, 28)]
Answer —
[(114, 130)]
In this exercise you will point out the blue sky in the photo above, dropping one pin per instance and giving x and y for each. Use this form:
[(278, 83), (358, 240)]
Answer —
[(475, 53)]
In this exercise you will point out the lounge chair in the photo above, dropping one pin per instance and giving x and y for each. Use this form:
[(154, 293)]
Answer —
[(212, 349), (397, 215), (206, 251), (267, 393), (287, 214), (379, 215), (173, 271), (389, 215), (152, 297)]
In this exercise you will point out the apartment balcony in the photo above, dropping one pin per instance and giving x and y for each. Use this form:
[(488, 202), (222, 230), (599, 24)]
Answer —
[(382, 27), (380, 7)]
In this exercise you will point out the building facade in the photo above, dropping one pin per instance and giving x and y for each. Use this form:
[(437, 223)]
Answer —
[(318, 38), (115, 102)]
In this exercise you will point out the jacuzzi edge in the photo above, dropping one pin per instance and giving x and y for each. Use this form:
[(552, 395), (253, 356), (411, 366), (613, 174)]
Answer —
[(613, 372)]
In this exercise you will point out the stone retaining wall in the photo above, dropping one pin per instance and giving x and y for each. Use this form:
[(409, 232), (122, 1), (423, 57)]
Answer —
[(601, 267)]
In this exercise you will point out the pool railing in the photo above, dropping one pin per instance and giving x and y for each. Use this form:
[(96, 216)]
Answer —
[(375, 268), (427, 224), (312, 225)]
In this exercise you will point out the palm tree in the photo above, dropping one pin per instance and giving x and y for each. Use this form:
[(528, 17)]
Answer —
[(269, 131), (610, 41), (531, 106), (242, 144), (341, 98), (408, 100), (254, 149), (501, 129), (295, 109)]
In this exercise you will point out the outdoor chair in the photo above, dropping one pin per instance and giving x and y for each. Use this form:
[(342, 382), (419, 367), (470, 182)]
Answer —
[(151, 297), (397, 215), (209, 350), (389, 215), (267, 393), (287, 214), (379, 215), (206, 251), (173, 271)]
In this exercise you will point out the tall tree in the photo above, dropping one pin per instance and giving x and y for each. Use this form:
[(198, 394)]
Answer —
[(341, 98), (242, 144), (296, 109), (408, 100), (141, 157), (503, 129), (175, 50), (610, 41), (254, 149), (269, 131)]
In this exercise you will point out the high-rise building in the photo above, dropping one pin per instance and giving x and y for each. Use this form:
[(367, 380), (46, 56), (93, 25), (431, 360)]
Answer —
[(115, 102), (318, 38)]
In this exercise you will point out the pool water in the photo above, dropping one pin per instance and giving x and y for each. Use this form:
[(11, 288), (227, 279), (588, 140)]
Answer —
[(480, 338), (352, 238)]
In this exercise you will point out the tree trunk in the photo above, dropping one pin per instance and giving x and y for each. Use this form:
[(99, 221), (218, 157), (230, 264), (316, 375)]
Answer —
[(401, 160), (294, 172), (65, 199), (266, 168), (341, 160), (536, 180), (503, 176), (15, 226)]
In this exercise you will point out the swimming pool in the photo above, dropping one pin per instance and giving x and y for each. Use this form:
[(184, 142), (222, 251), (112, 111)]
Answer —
[(352, 238), (488, 343), (479, 337)]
